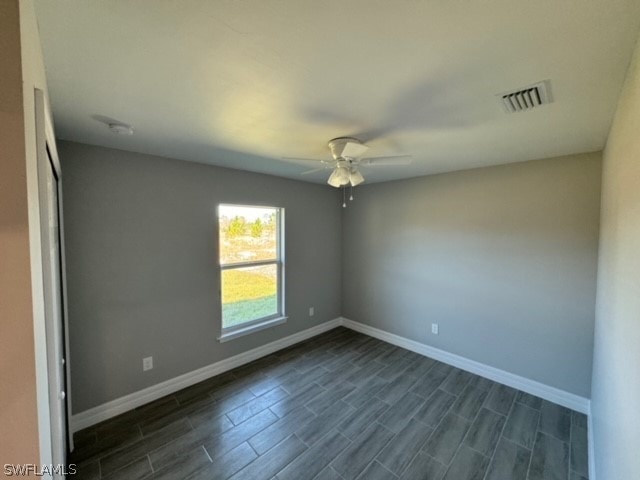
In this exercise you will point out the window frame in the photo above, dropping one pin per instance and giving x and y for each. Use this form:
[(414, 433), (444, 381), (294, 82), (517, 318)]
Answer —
[(261, 323)]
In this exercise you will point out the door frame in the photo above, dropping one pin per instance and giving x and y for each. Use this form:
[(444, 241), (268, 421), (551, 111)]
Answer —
[(47, 158)]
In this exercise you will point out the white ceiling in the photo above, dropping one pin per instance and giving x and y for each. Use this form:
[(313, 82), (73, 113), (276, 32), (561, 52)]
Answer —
[(243, 83)]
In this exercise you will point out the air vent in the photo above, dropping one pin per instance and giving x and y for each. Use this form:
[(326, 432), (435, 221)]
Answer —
[(527, 98)]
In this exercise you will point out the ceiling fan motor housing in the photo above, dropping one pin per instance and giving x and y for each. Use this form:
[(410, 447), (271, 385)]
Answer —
[(346, 147)]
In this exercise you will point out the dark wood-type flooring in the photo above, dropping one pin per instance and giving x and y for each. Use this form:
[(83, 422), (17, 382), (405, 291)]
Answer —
[(341, 405)]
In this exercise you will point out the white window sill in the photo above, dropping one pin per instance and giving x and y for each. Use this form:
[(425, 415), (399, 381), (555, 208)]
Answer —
[(241, 332)]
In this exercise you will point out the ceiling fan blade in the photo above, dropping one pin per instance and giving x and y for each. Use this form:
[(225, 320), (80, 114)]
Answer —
[(314, 160), (394, 160), (354, 150), (316, 170)]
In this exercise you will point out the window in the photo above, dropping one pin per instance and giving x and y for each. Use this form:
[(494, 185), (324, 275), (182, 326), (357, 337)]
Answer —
[(251, 268)]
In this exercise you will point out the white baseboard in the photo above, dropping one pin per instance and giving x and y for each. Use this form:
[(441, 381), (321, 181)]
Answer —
[(128, 402), (552, 394), (591, 448)]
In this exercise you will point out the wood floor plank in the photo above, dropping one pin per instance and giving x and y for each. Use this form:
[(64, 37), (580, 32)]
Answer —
[(424, 467), (327, 398), (184, 466), (224, 465), (316, 458), (444, 442), (522, 425), (485, 432), (500, 399), (469, 402), (555, 421), (280, 429), (322, 424), (435, 408), (529, 400), (240, 433), (269, 464), (550, 459), (399, 414), (510, 462), (123, 457), (357, 456), (399, 452), (258, 404), (456, 381), (296, 400), (576, 476), (376, 471), (328, 474), (183, 444), (579, 450), (363, 394), (358, 421), (467, 465), (428, 383), (136, 470)]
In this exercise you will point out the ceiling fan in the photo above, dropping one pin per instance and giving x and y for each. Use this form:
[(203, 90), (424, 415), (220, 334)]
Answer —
[(348, 155)]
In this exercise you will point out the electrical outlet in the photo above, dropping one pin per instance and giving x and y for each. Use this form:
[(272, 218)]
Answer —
[(312, 311), (434, 328), (147, 363)]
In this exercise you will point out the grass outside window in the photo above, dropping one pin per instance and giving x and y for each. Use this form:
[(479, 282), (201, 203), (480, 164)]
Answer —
[(251, 264)]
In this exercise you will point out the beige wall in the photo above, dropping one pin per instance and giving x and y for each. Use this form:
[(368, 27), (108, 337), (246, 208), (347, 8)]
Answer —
[(18, 411), (616, 373), (24, 408)]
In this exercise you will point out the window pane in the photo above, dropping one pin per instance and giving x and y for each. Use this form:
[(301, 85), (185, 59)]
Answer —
[(247, 234), (249, 293)]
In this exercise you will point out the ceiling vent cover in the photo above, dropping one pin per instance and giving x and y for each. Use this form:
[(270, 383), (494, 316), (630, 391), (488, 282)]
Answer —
[(527, 98)]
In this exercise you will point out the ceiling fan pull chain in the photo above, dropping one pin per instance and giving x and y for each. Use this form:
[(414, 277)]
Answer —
[(351, 194), (344, 199)]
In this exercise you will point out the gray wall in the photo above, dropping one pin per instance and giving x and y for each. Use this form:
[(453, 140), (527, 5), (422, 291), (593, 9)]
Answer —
[(503, 258), (615, 406), (141, 262)]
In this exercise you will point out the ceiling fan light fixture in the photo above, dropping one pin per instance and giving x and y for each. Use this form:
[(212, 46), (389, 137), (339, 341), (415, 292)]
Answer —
[(339, 177), (347, 153), (355, 177)]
